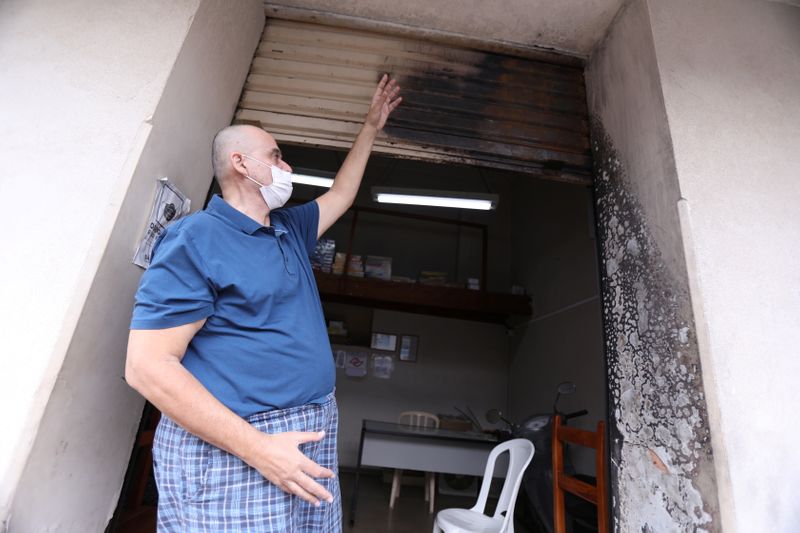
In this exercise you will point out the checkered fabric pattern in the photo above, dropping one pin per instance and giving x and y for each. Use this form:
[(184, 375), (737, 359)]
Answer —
[(204, 489)]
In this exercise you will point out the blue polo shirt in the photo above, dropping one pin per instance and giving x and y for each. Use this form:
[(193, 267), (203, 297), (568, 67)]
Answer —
[(264, 344)]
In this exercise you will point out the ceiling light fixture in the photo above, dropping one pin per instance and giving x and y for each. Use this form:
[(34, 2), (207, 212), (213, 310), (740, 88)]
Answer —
[(456, 199), (316, 178)]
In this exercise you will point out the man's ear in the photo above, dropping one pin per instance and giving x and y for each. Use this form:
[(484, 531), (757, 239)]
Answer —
[(238, 163)]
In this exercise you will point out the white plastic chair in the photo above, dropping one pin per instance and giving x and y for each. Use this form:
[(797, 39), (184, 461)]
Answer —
[(416, 419), (473, 520)]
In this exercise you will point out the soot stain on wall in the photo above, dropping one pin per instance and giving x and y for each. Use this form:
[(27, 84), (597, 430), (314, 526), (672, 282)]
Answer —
[(662, 470)]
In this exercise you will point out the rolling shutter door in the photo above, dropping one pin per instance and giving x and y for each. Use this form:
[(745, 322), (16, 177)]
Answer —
[(311, 84)]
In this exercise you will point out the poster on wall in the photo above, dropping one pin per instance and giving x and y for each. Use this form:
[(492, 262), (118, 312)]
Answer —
[(382, 365), (340, 357), (384, 341), (408, 348), (356, 365), (170, 204)]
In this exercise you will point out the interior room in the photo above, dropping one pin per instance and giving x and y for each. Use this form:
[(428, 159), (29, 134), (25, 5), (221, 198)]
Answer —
[(540, 247)]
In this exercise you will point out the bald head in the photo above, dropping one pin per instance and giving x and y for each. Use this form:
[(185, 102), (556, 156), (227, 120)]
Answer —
[(237, 138)]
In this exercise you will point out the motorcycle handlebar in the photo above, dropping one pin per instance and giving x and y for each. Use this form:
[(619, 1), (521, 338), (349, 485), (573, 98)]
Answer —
[(576, 414)]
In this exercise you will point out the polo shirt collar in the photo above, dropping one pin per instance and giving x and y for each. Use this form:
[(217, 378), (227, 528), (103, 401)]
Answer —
[(222, 209)]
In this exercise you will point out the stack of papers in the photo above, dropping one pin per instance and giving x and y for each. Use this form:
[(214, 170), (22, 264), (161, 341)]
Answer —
[(378, 267), (356, 267), (338, 263), (430, 277)]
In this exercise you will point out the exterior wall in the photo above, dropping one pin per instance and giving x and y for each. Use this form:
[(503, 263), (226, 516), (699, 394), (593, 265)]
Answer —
[(555, 259), (98, 102), (663, 471), (730, 73)]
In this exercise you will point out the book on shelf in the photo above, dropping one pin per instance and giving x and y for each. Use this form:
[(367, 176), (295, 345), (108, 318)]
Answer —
[(431, 277), (378, 267), (324, 255)]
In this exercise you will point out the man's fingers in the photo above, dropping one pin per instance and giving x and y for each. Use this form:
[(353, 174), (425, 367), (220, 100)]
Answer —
[(394, 104), (308, 436), (295, 488), (312, 487), (381, 85), (314, 470), (391, 89)]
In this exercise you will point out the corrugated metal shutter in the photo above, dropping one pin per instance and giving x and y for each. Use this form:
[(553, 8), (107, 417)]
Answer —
[(311, 84)]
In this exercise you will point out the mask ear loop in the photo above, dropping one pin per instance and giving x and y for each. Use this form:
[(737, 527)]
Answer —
[(254, 181), (257, 161)]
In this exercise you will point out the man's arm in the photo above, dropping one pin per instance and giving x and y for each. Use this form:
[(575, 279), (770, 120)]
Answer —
[(340, 197), (153, 367)]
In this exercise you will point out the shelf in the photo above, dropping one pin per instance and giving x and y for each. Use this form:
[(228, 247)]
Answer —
[(426, 299)]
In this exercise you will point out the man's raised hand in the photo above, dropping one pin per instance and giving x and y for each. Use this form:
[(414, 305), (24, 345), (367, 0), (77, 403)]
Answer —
[(384, 101)]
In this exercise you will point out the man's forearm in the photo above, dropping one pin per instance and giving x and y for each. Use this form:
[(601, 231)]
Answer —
[(348, 179), (180, 396), (154, 368)]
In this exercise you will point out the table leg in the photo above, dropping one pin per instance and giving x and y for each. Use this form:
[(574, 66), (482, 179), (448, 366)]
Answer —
[(354, 497)]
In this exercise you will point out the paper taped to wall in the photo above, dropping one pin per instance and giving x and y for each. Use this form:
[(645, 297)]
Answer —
[(170, 204)]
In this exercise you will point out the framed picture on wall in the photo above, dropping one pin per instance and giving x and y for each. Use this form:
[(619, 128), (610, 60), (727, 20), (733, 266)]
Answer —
[(408, 348), (386, 342)]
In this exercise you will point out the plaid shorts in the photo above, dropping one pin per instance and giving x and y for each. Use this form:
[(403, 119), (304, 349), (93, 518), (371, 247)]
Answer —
[(204, 489)]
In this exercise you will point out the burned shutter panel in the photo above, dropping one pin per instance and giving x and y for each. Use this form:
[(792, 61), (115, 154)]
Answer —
[(311, 84)]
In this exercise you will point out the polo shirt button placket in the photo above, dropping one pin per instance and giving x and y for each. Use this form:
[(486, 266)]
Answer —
[(278, 235)]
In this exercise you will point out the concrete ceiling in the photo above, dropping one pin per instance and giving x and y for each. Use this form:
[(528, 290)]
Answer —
[(571, 27)]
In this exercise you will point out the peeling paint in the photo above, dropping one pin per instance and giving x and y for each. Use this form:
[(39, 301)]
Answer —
[(662, 463)]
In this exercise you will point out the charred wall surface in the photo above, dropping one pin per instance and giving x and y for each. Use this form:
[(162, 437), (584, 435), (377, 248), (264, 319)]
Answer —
[(662, 470)]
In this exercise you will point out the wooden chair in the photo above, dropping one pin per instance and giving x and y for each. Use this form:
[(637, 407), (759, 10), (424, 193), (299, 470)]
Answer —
[(416, 419), (596, 494)]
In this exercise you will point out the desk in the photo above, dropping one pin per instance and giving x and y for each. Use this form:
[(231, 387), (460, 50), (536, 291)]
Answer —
[(390, 445)]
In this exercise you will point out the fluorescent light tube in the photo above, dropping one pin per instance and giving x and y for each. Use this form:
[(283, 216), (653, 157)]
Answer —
[(459, 200), (316, 178), (316, 181)]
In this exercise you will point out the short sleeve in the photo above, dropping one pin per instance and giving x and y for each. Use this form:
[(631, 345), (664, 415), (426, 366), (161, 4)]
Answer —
[(304, 222), (175, 290)]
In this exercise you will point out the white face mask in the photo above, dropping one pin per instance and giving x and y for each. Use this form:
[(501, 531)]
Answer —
[(277, 193)]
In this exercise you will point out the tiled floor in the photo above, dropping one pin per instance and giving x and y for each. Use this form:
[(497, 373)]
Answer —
[(410, 513)]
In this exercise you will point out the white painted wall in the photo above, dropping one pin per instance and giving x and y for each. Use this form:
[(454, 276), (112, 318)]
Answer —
[(730, 74), (459, 363), (98, 100), (555, 260)]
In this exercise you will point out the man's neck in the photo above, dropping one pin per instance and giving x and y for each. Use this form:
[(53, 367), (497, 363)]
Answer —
[(248, 201)]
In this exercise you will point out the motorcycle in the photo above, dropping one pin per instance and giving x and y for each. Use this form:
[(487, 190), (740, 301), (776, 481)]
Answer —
[(534, 508)]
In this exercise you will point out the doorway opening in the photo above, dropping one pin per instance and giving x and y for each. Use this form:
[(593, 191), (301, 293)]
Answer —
[(540, 248)]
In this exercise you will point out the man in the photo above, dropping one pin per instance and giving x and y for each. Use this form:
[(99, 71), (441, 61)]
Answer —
[(228, 341)]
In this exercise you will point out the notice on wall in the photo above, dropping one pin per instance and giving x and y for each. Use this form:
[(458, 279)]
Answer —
[(382, 366), (170, 205), (356, 365), (340, 357)]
